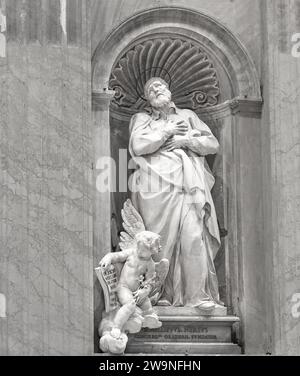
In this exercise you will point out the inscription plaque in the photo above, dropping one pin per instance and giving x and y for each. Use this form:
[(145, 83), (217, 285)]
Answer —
[(172, 332)]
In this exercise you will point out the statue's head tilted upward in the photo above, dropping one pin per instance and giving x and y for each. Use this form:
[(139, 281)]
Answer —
[(157, 92)]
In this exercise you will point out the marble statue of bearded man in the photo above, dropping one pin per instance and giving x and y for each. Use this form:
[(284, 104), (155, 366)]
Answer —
[(171, 190)]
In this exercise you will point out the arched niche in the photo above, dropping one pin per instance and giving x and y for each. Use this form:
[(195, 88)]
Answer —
[(239, 100), (214, 36), (197, 81)]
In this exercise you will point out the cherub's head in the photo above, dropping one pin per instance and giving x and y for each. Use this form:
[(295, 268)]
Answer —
[(148, 244)]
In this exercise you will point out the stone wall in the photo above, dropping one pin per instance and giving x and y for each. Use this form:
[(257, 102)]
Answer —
[(241, 16), (46, 270), (281, 148)]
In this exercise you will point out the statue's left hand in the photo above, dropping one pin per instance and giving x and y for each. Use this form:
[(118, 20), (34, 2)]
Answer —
[(173, 143), (106, 261)]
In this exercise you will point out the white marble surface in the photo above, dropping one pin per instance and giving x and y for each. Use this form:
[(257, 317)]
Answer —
[(46, 266), (281, 137), (234, 14)]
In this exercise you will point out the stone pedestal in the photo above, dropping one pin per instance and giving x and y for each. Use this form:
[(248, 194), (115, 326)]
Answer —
[(187, 331)]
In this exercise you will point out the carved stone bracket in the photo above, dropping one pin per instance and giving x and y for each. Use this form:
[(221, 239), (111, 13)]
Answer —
[(251, 107), (101, 99), (188, 25)]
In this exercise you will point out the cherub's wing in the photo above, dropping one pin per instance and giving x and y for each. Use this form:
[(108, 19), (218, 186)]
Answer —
[(126, 241), (161, 270), (132, 224), (132, 221)]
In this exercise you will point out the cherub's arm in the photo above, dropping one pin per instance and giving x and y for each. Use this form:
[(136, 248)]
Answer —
[(114, 257), (149, 277), (141, 294), (150, 274)]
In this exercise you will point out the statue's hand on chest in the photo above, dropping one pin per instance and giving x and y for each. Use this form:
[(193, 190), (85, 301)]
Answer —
[(179, 139), (174, 125), (158, 124)]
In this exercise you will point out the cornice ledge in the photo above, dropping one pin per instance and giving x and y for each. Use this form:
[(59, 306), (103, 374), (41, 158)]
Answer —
[(246, 106), (250, 107), (101, 99)]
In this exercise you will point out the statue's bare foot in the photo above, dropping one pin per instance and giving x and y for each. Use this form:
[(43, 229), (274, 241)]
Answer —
[(207, 305), (151, 321), (133, 325), (113, 345), (164, 303), (115, 333)]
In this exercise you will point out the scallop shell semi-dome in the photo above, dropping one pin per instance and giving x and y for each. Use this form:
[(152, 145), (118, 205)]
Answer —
[(191, 75)]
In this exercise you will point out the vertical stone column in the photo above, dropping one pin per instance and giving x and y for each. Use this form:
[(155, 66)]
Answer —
[(221, 121), (249, 298), (230, 210), (46, 262), (102, 202), (281, 172), (239, 123)]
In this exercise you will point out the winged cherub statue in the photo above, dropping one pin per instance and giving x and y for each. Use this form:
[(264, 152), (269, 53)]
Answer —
[(140, 279)]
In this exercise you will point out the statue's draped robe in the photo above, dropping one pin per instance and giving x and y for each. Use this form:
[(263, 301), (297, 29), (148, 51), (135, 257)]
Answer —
[(171, 191)]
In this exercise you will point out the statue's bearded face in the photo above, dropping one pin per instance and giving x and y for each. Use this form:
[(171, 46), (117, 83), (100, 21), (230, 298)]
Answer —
[(158, 94)]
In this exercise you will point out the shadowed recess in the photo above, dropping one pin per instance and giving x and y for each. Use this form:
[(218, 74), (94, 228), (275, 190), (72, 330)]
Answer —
[(194, 79)]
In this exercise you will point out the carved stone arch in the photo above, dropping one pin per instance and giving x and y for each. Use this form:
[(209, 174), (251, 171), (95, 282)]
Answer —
[(207, 30), (186, 67)]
